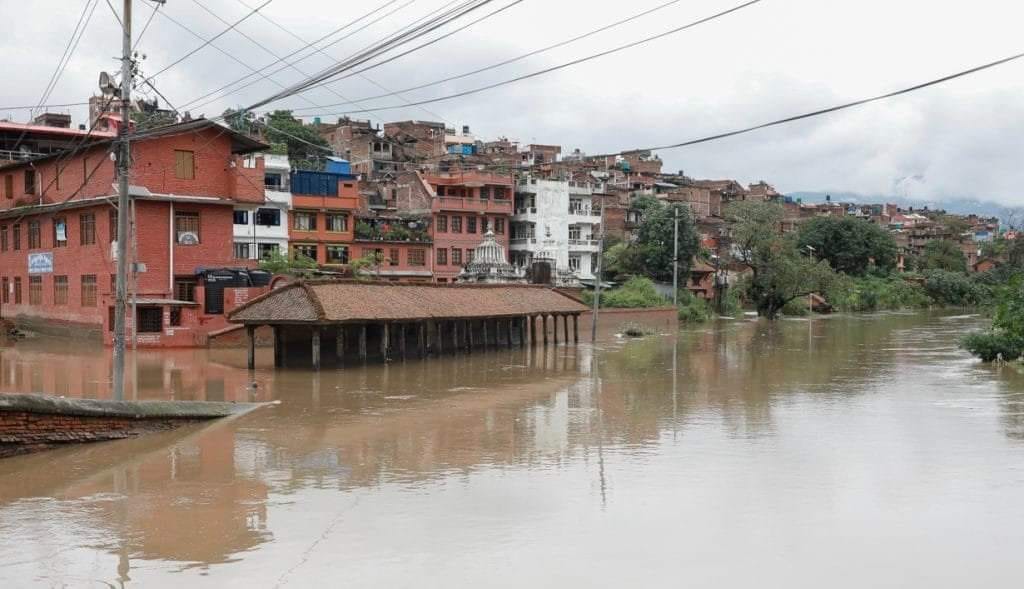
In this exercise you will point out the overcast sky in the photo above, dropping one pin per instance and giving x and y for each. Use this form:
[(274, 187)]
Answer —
[(776, 58)]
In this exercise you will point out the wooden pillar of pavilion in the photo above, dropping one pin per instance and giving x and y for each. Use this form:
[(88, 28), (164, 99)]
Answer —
[(575, 328), (486, 339), (401, 340), (250, 332), (385, 341), (508, 334), (316, 347), (565, 328), (554, 330), (339, 342), (421, 340), (455, 336), (278, 347), (362, 342), (469, 336), (544, 328), (521, 326), (439, 335)]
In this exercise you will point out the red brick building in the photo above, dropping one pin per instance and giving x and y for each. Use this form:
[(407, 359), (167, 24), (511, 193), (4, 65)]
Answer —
[(464, 205), (322, 217), (58, 222)]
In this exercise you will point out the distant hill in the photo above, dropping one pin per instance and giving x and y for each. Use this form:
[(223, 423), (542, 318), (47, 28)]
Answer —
[(960, 206)]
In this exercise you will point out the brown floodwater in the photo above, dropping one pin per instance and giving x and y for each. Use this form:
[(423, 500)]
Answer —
[(845, 452)]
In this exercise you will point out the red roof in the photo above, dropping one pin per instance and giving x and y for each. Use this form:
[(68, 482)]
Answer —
[(45, 130)]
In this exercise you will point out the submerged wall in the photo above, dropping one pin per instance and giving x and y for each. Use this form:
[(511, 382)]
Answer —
[(29, 423)]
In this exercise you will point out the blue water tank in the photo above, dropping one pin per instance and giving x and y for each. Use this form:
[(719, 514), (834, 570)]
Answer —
[(336, 165)]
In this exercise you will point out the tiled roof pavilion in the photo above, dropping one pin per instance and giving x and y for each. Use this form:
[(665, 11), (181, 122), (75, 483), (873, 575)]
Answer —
[(360, 302)]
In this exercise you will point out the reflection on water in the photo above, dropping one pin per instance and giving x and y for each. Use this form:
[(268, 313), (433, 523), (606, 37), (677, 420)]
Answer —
[(800, 453)]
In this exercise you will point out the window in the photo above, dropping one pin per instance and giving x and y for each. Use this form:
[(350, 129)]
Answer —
[(337, 254), (34, 241), (87, 228), (393, 258), (186, 228), (60, 290), (574, 262), (417, 257), (306, 250), (304, 221), (113, 284), (241, 217), (60, 232), (30, 181), (175, 316), (242, 251), (575, 232), (267, 250), (470, 224), (5, 285), (17, 290), (336, 223), (442, 224), (268, 217), (469, 256), (500, 193), (499, 226), (16, 236), (249, 161), (112, 229), (185, 288), (593, 263), (485, 193), (456, 224), (440, 190), (150, 319), (273, 181), (9, 186), (3, 238), (184, 164), (57, 174), (456, 256), (89, 290), (442, 257), (35, 290)]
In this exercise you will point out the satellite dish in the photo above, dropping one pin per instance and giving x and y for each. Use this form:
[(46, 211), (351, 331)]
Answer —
[(188, 238), (107, 85)]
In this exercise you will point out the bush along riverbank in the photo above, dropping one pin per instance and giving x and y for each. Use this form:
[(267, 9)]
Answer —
[(1004, 341)]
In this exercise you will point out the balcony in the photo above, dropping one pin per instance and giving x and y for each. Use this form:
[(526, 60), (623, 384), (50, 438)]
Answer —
[(456, 203)]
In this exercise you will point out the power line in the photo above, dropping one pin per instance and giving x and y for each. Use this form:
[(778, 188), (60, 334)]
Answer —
[(37, 106), (517, 58), (313, 43), (156, 6), (418, 47), (208, 41), (83, 21), (332, 58), (557, 67), (376, 50)]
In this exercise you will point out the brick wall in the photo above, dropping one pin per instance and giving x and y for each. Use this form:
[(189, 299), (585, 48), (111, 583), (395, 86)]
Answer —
[(22, 432)]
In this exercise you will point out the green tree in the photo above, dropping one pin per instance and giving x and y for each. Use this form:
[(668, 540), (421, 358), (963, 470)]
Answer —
[(779, 272), (279, 262), (306, 148), (942, 254), (242, 122), (652, 250), (1005, 340), (850, 245)]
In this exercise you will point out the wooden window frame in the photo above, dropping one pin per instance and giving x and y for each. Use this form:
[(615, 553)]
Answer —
[(184, 164)]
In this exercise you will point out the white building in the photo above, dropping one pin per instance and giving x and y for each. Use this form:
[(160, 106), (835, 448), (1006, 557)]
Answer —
[(263, 228), (557, 218)]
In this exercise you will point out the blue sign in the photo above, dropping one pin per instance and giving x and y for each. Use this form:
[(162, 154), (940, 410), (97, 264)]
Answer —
[(40, 263)]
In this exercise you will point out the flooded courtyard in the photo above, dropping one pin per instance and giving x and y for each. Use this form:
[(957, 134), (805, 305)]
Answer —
[(840, 452)]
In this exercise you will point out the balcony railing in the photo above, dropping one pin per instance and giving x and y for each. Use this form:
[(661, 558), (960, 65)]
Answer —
[(584, 212), (526, 211), (522, 240), (458, 203)]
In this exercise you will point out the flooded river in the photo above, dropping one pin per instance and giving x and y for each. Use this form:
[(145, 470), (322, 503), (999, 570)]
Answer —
[(843, 452)]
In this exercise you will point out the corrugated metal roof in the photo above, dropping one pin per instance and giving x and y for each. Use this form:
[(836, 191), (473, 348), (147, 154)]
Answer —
[(347, 301)]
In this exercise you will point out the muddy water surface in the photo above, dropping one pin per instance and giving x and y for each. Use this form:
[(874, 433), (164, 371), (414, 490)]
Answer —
[(844, 452)]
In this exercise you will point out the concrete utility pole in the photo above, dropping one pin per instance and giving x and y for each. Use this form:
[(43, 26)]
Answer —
[(675, 258), (597, 275), (123, 165)]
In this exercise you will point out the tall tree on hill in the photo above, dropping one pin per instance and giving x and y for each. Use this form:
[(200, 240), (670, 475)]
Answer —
[(780, 273), (651, 252), (942, 254), (850, 245)]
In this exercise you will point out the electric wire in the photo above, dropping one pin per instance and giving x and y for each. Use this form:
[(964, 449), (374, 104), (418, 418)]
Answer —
[(555, 68), (514, 59)]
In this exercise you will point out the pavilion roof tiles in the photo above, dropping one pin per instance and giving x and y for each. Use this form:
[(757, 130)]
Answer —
[(355, 302)]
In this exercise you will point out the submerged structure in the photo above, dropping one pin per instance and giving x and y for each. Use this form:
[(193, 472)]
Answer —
[(334, 322)]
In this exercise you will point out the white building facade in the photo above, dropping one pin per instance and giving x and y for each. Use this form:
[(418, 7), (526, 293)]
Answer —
[(556, 219), (263, 228)]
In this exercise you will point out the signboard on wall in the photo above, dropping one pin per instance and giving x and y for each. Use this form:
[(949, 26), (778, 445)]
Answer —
[(40, 263)]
